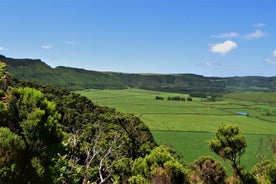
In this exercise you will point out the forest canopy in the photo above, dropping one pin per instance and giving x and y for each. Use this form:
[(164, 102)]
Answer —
[(63, 137)]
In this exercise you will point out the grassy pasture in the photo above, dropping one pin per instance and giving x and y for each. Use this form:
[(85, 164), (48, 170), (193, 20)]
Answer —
[(188, 125), (192, 145)]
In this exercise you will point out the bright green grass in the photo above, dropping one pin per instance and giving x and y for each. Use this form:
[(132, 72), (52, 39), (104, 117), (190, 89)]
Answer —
[(254, 97), (206, 123), (192, 145), (188, 125)]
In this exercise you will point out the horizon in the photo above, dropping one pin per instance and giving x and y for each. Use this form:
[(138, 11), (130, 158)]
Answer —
[(203, 37), (35, 59)]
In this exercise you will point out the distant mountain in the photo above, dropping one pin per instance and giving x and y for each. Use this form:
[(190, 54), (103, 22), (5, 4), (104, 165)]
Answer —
[(73, 79)]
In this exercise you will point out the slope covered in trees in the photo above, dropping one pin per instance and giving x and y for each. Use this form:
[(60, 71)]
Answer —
[(73, 78), (50, 135), (70, 78)]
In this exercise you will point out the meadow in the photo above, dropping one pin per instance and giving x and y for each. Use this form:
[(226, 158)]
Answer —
[(188, 125)]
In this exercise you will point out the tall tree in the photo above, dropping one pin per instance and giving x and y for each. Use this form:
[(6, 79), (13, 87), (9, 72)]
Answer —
[(230, 144)]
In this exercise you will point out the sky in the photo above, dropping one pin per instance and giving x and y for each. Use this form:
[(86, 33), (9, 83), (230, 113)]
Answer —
[(205, 37)]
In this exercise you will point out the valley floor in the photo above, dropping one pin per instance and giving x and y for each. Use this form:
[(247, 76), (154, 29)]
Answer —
[(188, 125)]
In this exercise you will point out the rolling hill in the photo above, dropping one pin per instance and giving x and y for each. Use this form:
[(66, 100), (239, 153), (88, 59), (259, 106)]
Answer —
[(76, 79), (65, 77)]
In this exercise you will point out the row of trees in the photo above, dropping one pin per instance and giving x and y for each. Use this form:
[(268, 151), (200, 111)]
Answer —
[(174, 98)]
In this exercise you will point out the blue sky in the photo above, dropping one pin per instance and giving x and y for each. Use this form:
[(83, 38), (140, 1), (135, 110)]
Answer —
[(207, 37)]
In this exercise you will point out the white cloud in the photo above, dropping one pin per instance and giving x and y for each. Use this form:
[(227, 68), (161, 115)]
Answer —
[(226, 35), (46, 46), (270, 61), (2, 48), (72, 43), (224, 48), (260, 24), (254, 35), (274, 53)]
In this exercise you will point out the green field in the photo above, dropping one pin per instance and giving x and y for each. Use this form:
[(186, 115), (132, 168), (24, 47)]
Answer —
[(188, 125)]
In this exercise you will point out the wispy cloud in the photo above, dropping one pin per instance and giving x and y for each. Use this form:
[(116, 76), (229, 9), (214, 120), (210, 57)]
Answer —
[(72, 43), (209, 63), (260, 24), (46, 46), (274, 53), (254, 35), (226, 35), (270, 61), (223, 48), (273, 60), (3, 49)]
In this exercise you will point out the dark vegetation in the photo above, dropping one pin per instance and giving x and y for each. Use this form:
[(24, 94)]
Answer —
[(51, 135), (176, 98), (159, 98), (73, 79), (65, 77)]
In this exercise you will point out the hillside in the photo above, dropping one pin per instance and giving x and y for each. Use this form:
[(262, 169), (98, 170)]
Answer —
[(73, 79), (70, 78), (173, 82), (64, 137)]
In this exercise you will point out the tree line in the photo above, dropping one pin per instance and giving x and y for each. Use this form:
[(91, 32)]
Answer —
[(174, 98)]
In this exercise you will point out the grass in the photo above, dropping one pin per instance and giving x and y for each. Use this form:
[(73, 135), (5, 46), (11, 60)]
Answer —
[(192, 145), (268, 98), (188, 125)]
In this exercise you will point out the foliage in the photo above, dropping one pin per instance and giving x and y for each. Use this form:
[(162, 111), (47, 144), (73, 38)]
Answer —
[(176, 98), (229, 143), (189, 99), (199, 94), (159, 167), (207, 170), (35, 120), (159, 98), (138, 179), (247, 177), (4, 77), (11, 150), (65, 138), (265, 171)]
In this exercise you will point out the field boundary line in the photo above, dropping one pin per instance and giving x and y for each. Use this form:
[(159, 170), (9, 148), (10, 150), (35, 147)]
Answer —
[(195, 131)]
